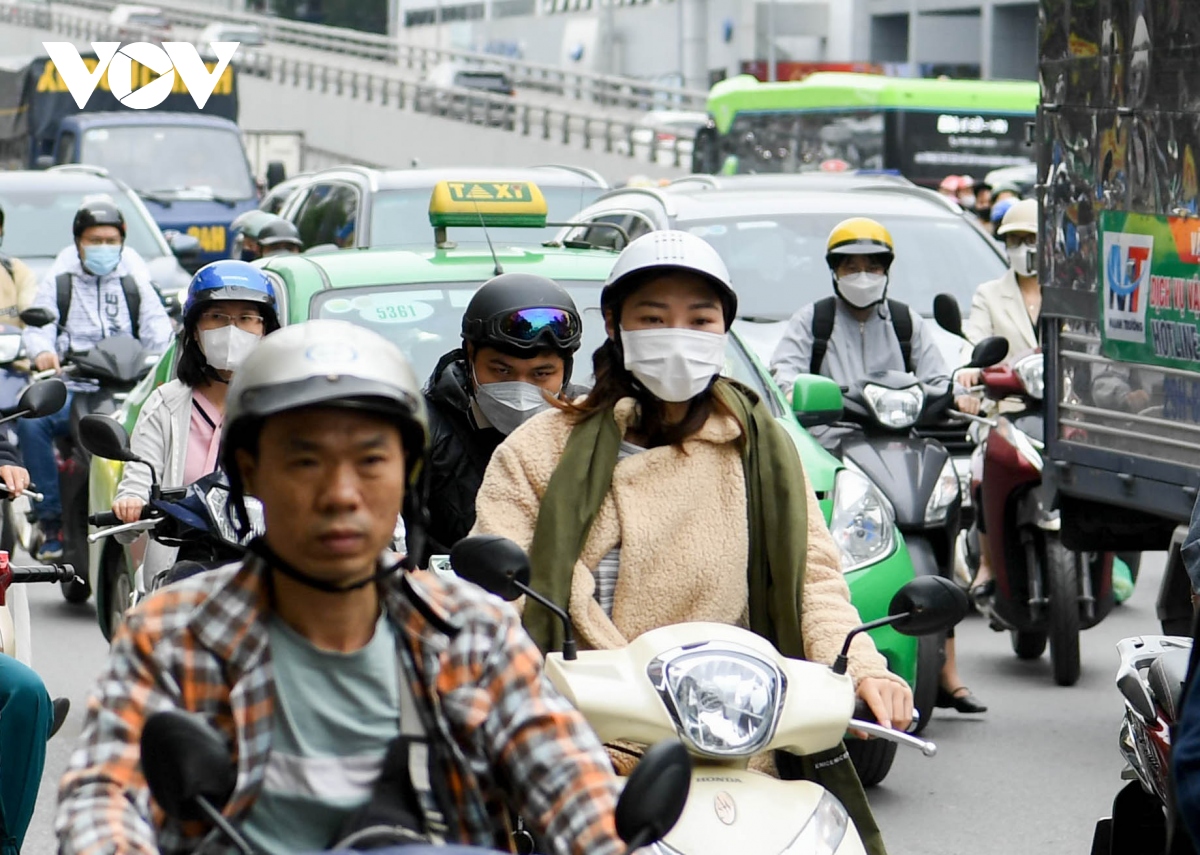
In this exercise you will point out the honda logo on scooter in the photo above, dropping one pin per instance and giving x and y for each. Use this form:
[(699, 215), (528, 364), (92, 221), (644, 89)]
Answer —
[(165, 60)]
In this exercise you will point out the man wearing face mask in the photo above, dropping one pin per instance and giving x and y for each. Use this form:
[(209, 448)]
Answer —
[(520, 333), (92, 293)]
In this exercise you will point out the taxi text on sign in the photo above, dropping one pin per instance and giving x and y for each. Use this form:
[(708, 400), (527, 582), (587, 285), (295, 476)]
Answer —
[(168, 61), (468, 191)]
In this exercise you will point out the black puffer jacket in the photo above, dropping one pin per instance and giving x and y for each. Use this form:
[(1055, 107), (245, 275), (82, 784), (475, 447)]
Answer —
[(459, 453)]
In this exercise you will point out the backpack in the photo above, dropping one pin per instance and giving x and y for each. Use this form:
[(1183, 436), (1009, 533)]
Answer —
[(133, 299), (824, 312)]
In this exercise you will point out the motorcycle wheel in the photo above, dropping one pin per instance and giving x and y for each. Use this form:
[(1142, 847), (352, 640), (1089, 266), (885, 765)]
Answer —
[(929, 670), (1062, 566), (872, 759), (1028, 645), (117, 588)]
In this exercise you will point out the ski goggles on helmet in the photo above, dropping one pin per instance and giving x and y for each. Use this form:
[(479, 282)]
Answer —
[(525, 328)]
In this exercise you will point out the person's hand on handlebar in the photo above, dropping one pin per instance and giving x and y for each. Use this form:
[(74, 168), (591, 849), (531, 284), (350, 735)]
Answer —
[(47, 360), (128, 510), (967, 404), (969, 376), (15, 478), (889, 701)]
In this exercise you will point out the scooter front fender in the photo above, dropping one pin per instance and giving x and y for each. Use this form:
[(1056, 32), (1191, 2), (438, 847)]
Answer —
[(904, 467), (736, 810)]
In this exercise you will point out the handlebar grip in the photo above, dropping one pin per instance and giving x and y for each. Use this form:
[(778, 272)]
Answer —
[(104, 519), (42, 573)]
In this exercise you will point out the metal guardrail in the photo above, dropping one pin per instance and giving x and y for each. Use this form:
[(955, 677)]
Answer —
[(388, 88), (606, 90)]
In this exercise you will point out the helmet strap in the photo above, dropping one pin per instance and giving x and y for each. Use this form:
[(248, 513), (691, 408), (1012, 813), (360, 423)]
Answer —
[(260, 548)]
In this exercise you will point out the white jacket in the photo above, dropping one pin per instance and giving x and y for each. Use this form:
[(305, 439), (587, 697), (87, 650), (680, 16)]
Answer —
[(160, 437), (999, 309)]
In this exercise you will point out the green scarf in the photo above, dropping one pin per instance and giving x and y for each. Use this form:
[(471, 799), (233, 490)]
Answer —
[(777, 513)]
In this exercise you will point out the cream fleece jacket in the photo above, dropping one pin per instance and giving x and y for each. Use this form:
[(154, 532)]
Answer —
[(680, 520)]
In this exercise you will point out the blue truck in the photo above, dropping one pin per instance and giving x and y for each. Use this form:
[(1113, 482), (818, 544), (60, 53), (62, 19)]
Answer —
[(188, 165)]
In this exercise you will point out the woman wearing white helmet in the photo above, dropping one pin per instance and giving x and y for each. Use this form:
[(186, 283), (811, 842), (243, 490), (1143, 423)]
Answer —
[(670, 494)]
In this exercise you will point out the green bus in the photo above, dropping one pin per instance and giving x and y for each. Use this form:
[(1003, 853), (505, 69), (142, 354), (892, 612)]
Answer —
[(925, 129)]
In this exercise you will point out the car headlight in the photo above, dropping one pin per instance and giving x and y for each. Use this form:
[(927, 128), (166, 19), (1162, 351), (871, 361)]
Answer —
[(862, 524), (10, 347), (725, 699), (823, 832), (945, 491), (895, 408), (1031, 371)]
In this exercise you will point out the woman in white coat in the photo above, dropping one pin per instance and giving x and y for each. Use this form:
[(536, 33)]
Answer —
[(230, 306)]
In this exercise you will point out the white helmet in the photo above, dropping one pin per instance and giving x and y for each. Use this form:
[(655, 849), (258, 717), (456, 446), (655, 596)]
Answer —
[(1021, 217), (669, 250)]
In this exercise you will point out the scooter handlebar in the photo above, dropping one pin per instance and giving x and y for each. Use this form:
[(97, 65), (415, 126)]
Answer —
[(105, 519), (42, 573)]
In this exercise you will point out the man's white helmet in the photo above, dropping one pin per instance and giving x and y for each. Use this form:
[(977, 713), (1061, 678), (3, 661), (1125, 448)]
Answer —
[(667, 250)]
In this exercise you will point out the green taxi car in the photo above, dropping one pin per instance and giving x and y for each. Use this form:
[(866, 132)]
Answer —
[(415, 297)]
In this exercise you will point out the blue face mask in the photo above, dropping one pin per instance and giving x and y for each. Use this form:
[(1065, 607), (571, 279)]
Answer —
[(101, 259)]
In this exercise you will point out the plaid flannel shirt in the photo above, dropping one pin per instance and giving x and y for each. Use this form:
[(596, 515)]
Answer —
[(202, 645)]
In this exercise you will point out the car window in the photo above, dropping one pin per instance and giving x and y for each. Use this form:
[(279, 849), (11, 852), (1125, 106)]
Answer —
[(494, 82), (425, 322), (777, 263), (37, 223), (329, 215), (66, 148)]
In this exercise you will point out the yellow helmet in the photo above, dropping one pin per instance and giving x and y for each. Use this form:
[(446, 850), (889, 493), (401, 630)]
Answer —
[(859, 236)]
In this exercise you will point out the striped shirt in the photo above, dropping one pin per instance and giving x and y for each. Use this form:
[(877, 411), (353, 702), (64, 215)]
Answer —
[(610, 565)]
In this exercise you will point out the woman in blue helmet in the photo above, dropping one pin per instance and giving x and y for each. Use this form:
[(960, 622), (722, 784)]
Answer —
[(230, 306)]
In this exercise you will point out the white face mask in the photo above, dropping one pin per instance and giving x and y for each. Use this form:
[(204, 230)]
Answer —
[(509, 404), (675, 365), (1023, 260), (862, 289), (227, 347)]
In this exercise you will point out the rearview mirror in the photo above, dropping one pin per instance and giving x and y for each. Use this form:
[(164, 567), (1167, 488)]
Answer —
[(947, 314), (816, 400), (655, 795), (988, 352), (184, 760), (186, 248), (36, 316), (929, 604), (44, 398), (494, 563), (105, 437), (276, 173)]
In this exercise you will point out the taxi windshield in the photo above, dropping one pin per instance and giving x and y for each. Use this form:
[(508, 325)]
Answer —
[(425, 321), (401, 217)]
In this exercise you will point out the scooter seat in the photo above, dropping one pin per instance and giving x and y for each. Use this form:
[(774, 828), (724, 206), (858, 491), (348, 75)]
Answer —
[(1166, 677)]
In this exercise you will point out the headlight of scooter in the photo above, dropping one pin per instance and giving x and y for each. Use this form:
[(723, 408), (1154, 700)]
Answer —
[(725, 699), (1031, 371), (862, 523), (221, 514), (895, 408), (943, 496), (823, 832), (10, 348)]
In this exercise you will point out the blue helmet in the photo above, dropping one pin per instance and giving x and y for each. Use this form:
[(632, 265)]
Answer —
[(229, 279), (1000, 209)]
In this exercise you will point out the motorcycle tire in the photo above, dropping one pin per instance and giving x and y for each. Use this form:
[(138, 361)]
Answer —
[(1028, 645), (1062, 572), (872, 759), (930, 656), (117, 587)]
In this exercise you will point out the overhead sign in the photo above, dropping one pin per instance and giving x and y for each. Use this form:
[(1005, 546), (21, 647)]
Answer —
[(1150, 294), (141, 75)]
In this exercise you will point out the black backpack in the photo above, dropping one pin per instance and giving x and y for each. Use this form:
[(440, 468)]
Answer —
[(824, 312), (133, 299)]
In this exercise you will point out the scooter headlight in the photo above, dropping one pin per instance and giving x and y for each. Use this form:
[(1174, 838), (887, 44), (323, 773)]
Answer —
[(725, 699), (863, 523), (217, 501), (823, 832), (895, 408), (944, 493), (10, 347), (1031, 371)]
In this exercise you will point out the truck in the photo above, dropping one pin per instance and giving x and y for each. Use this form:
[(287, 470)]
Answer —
[(189, 165), (1118, 142)]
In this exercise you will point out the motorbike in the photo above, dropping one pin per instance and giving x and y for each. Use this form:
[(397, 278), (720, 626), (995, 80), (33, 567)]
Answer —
[(879, 437), (728, 695), (1042, 590), (196, 519), (1151, 681), (112, 368)]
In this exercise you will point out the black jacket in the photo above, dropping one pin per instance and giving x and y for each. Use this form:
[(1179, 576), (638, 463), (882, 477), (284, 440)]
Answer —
[(459, 453)]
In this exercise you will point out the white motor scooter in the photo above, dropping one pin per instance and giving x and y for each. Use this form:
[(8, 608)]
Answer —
[(728, 695)]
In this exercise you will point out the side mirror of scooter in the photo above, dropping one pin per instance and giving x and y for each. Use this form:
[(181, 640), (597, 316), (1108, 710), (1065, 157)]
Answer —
[(105, 437), (816, 400), (189, 769), (988, 352), (947, 314), (501, 567), (655, 795), (44, 398), (36, 316)]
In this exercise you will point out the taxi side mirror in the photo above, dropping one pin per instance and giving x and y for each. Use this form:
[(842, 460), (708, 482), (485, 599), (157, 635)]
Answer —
[(816, 400)]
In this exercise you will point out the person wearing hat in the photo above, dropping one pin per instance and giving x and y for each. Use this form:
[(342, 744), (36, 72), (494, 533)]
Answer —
[(362, 702), (519, 336), (279, 237), (659, 498), (244, 229)]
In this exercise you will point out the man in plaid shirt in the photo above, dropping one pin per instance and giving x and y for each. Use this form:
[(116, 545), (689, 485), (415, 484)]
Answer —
[(314, 657)]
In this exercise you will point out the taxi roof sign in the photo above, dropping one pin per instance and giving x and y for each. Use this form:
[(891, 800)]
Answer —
[(517, 204)]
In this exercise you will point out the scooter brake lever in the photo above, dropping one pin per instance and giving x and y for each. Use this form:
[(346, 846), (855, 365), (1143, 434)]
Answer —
[(926, 747)]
